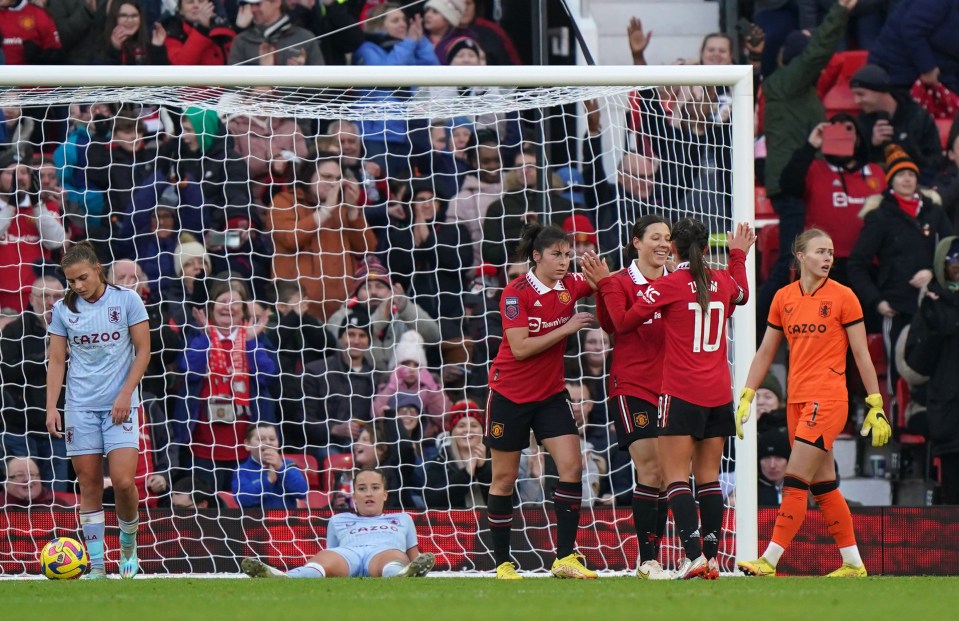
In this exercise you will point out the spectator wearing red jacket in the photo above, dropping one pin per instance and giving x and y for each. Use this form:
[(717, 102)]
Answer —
[(196, 35), (834, 185), (493, 40), (29, 35)]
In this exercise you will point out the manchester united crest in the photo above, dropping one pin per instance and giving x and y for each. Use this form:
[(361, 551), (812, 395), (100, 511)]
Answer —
[(825, 309), (496, 430), (565, 297), (642, 419)]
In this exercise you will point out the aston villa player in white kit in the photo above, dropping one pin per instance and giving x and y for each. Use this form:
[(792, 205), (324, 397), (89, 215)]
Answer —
[(528, 393), (108, 335)]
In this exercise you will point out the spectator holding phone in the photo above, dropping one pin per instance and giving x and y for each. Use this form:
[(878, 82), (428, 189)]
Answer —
[(793, 109), (893, 117), (835, 186)]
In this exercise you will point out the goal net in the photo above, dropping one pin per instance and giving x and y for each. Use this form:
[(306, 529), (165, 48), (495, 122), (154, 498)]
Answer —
[(353, 241)]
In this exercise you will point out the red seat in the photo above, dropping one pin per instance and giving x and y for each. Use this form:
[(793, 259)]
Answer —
[(314, 500), (767, 244), (764, 206), (333, 465), (227, 499), (944, 126), (66, 499), (308, 465), (902, 402), (833, 86)]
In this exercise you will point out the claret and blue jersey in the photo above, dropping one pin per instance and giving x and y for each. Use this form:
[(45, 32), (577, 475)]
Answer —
[(101, 349)]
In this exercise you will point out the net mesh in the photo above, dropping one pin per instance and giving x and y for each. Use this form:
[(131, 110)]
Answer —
[(275, 213)]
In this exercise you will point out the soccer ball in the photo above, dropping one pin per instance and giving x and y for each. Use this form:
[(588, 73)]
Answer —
[(64, 559)]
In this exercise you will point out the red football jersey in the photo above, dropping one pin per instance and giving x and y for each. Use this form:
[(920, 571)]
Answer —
[(637, 369), (26, 22), (834, 198), (695, 363), (528, 303)]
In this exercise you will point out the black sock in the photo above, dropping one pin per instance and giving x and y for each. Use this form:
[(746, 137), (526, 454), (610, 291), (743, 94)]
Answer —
[(662, 515), (683, 506), (645, 516), (567, 498), (710, 497), (499, 514)]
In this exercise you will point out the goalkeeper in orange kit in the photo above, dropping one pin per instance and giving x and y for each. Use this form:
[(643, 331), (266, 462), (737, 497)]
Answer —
[(820, 319)]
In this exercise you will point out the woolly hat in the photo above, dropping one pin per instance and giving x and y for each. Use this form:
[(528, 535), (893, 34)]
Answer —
[(580, 229), (796, 41), (403, 399), (771, 383), (451, 10), (358, 316), (371, 270), (462, 43), (461, 410), (206, 125), (872, 78), (897, 161), (410, 347), (773, 443), (186, 251)]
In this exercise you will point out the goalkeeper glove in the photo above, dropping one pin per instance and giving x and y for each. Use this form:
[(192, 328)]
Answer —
[(876, 421), (743, 411)]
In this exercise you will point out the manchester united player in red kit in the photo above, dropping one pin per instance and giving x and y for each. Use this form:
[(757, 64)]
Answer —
[(695, 404), (528, 393), (636, 377)]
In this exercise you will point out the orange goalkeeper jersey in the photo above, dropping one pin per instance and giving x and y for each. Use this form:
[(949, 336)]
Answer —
[(815, 328)]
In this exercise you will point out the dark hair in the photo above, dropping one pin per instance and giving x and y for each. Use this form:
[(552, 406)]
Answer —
[(639, 229), (691, 239), (802, 240), (139, 42), (537, 238), (307, 169), (286, 289), (78, 253), (382, 476), (253, 428)]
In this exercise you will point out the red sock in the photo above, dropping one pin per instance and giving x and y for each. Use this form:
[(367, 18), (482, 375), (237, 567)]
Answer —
[(835, 512), (792, 511)]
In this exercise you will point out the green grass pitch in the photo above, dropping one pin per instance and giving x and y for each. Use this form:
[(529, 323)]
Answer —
[(465, 599)]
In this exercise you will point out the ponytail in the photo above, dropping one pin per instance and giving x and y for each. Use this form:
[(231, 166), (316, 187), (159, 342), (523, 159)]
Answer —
[(691, 239), (79, 253), (537, 238)]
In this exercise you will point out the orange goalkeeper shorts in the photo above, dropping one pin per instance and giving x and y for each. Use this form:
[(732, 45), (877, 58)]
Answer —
[(817, 422)]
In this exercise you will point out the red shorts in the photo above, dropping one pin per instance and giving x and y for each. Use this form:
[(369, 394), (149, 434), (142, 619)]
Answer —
[(816, 422)]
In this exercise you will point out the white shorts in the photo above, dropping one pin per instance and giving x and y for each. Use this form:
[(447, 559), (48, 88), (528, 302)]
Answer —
[(93, 432), (358, 559)]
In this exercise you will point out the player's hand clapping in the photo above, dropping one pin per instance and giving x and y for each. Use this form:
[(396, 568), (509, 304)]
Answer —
[(594, 269), (742, 238)]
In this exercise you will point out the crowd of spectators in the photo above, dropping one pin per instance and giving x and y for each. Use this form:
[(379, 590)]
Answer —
[(324, 293)]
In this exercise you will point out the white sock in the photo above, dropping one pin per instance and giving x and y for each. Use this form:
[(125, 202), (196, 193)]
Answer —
[(850, 555), (773, 553), (310, 570), (392, 568)]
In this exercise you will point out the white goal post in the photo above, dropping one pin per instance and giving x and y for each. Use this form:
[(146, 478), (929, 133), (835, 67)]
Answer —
[(306, 90)]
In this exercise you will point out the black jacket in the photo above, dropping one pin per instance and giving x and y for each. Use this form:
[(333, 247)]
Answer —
[(435, 272), (448, 483), (23, 375), (903, 245), (933, 347), (334, 393)]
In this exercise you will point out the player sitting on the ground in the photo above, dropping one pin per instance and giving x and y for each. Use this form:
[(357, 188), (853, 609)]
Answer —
[(363, 544)]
